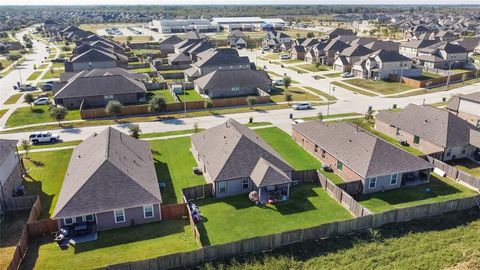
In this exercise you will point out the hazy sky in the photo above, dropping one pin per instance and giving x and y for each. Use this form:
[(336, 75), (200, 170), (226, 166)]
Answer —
[(238, 2)]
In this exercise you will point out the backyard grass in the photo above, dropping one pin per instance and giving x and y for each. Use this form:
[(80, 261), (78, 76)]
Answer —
[(235, 218), (142, 70), (438, 190), (190, 95), (10, 232), (449, 241), (37, 115), (379, 86), (466, 165), (277, 94), (331, 116), (114, 246), (353, 89), (258, 124), (314, 68), (12, 99), (34, 76), (321, 93), (174, 163), (3, 112), (45, 177), (430, 74), (165, 93), (294, 154)]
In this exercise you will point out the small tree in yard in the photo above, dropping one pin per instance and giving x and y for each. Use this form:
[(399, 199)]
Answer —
[(251, 101), (287, 81), (288, 96), (114, 108), (196, 127), (157, 105), (208, 105), (25, 144), (369, 115), (134, 131), (28, 98), (58, 114), (464, 76), (320, 116)]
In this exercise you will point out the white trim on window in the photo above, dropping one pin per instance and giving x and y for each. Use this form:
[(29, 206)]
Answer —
[(122, 215), (245, 181), (68, 223), (371, 181), (92, 219), (145, 211), (394, 179), (222, 186)]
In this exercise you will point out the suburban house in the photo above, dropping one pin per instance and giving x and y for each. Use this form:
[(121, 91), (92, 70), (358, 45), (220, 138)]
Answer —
[(10, 171), (431, 130), (445, 35), (357, 155), (178, 59), (339, 32), (64, 77), (274, 39), (166, 45), (237, 161), (443, 55), (110, 183), (297, 52), (327, 55), (93, 39), (466, 107), (387, 45), (96, 89), (96, 58), (385, 65), (416, 31), (237, 39), (411, 49), (469, 43), (345, 59), (223, 83)]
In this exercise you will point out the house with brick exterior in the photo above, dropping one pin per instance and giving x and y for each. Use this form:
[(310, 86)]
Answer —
[(10, 171), (237, 161), (466, 107), (357, 155), (431, 130)]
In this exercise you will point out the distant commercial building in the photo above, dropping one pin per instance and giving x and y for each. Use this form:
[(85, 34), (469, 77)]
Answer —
[(248, 23), (180, 26)]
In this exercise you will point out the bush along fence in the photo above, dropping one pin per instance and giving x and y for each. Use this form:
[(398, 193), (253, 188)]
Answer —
[(456, 174)]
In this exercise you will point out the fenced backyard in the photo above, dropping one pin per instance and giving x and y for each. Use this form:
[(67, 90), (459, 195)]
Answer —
[(456, 174)]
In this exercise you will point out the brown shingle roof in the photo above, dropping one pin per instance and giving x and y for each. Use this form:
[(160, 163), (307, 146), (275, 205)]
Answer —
[(266, 174)]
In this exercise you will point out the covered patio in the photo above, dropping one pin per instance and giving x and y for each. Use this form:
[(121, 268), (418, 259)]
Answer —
[(415, 177), (270, 182)]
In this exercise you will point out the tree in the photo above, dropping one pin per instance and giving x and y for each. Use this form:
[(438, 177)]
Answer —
[(196, 127), (251, 101), (157, 104), (369, 115), (25, 144), (28, 98), (134, 131), (150, 38), (58, 113), (310, 35), (114, 108), (287, 81), (320, 116), (129, 39), (287, 96)]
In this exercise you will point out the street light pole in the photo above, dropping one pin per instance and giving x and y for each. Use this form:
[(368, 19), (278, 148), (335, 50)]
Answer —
[(328, 101), (449, 72)]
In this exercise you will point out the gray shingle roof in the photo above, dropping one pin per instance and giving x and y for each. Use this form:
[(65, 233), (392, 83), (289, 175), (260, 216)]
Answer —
[(417, 44), (266, 174), (104, 71), (364, 153), (6, 147), (94, 55), (171, 40), (228, 78), (108, 171), (356, 50), (216, 58), (231, 151), (432, 124), (237, 33), (389, 56)]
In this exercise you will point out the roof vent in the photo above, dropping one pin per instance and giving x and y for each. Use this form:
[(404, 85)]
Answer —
[(349, 140), (79, 156), (426, 121)]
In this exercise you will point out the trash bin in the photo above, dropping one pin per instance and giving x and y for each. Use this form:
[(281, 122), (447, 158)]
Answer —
[(290, 115)]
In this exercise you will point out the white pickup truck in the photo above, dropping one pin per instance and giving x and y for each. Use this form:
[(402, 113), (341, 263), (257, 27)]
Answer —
[(43, 137)]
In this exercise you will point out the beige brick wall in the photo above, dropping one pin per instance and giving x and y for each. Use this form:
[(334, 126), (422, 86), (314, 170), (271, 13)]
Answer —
[(13, 181), (472, 119)]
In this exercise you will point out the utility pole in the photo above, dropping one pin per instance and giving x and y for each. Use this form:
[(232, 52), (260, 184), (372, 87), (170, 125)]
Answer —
[(328, 104)]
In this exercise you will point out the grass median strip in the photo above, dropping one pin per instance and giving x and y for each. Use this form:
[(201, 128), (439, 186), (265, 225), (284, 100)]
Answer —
[(3, 112), (321, 93), (12, 99), (34, 76), (353, 89), (54, 145)]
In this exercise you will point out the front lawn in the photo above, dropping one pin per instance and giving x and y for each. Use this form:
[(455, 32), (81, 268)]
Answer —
[(292, 61), (298, 94), (54, 145), (114, 246), (174, 163), (299, 71), (326, 117), (168, 133), (438, 190), (13, 99), (34, 76), (52, 74), (235, 218), (321, 93), (353, 89), (466, 165), (314, 67), (37, 115), (333, 75), (293, 153), (379, 86), (190, 95), (45, 177)]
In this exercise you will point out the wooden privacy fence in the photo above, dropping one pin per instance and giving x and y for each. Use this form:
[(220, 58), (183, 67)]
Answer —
[(197, 192), (269, 242), (174, 211), (193, 225), (343, 197), (456, 174), (310, 176), (353, 187), (20, 203), (42, 227), (415, 83)]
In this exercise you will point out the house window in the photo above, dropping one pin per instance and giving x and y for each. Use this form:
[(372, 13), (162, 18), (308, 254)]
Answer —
[(245, 183), (107, 98), (222, 186), (398, 132), (393, 179), (372, 182), (78, 219), (339, 166), (464, 149), (89, 217), (119, 215), (235, 88), (148, 211), (449, 152), (416, 139), (324, 153), (478, 123), (316, 148), (68, 221)]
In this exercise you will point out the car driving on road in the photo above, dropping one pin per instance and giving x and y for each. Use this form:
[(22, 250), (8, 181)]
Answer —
[(43, 137), (302, 106)]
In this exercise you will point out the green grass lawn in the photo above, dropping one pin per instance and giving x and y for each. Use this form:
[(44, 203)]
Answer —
[(258, 124), (466, 165), (142, 70), (43, 66), (271, 56), (25, 116), (167, 133), (323, 94), (314, 68), (145, 51), (333, 75), (53, 145), (273, 74), (235, 218), (57, 66), (441, 189), (379, 86), (51, 75), (114, 246), (34, 76), (13, 99), (174, 163), (190, 95), (165, 93), (449, 241), (298, 94), (440, 88), (294, 154), (46, 171), (3, 112), (299, 71), (353, 89), (292, 61), (430, 74), (326, 117)]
